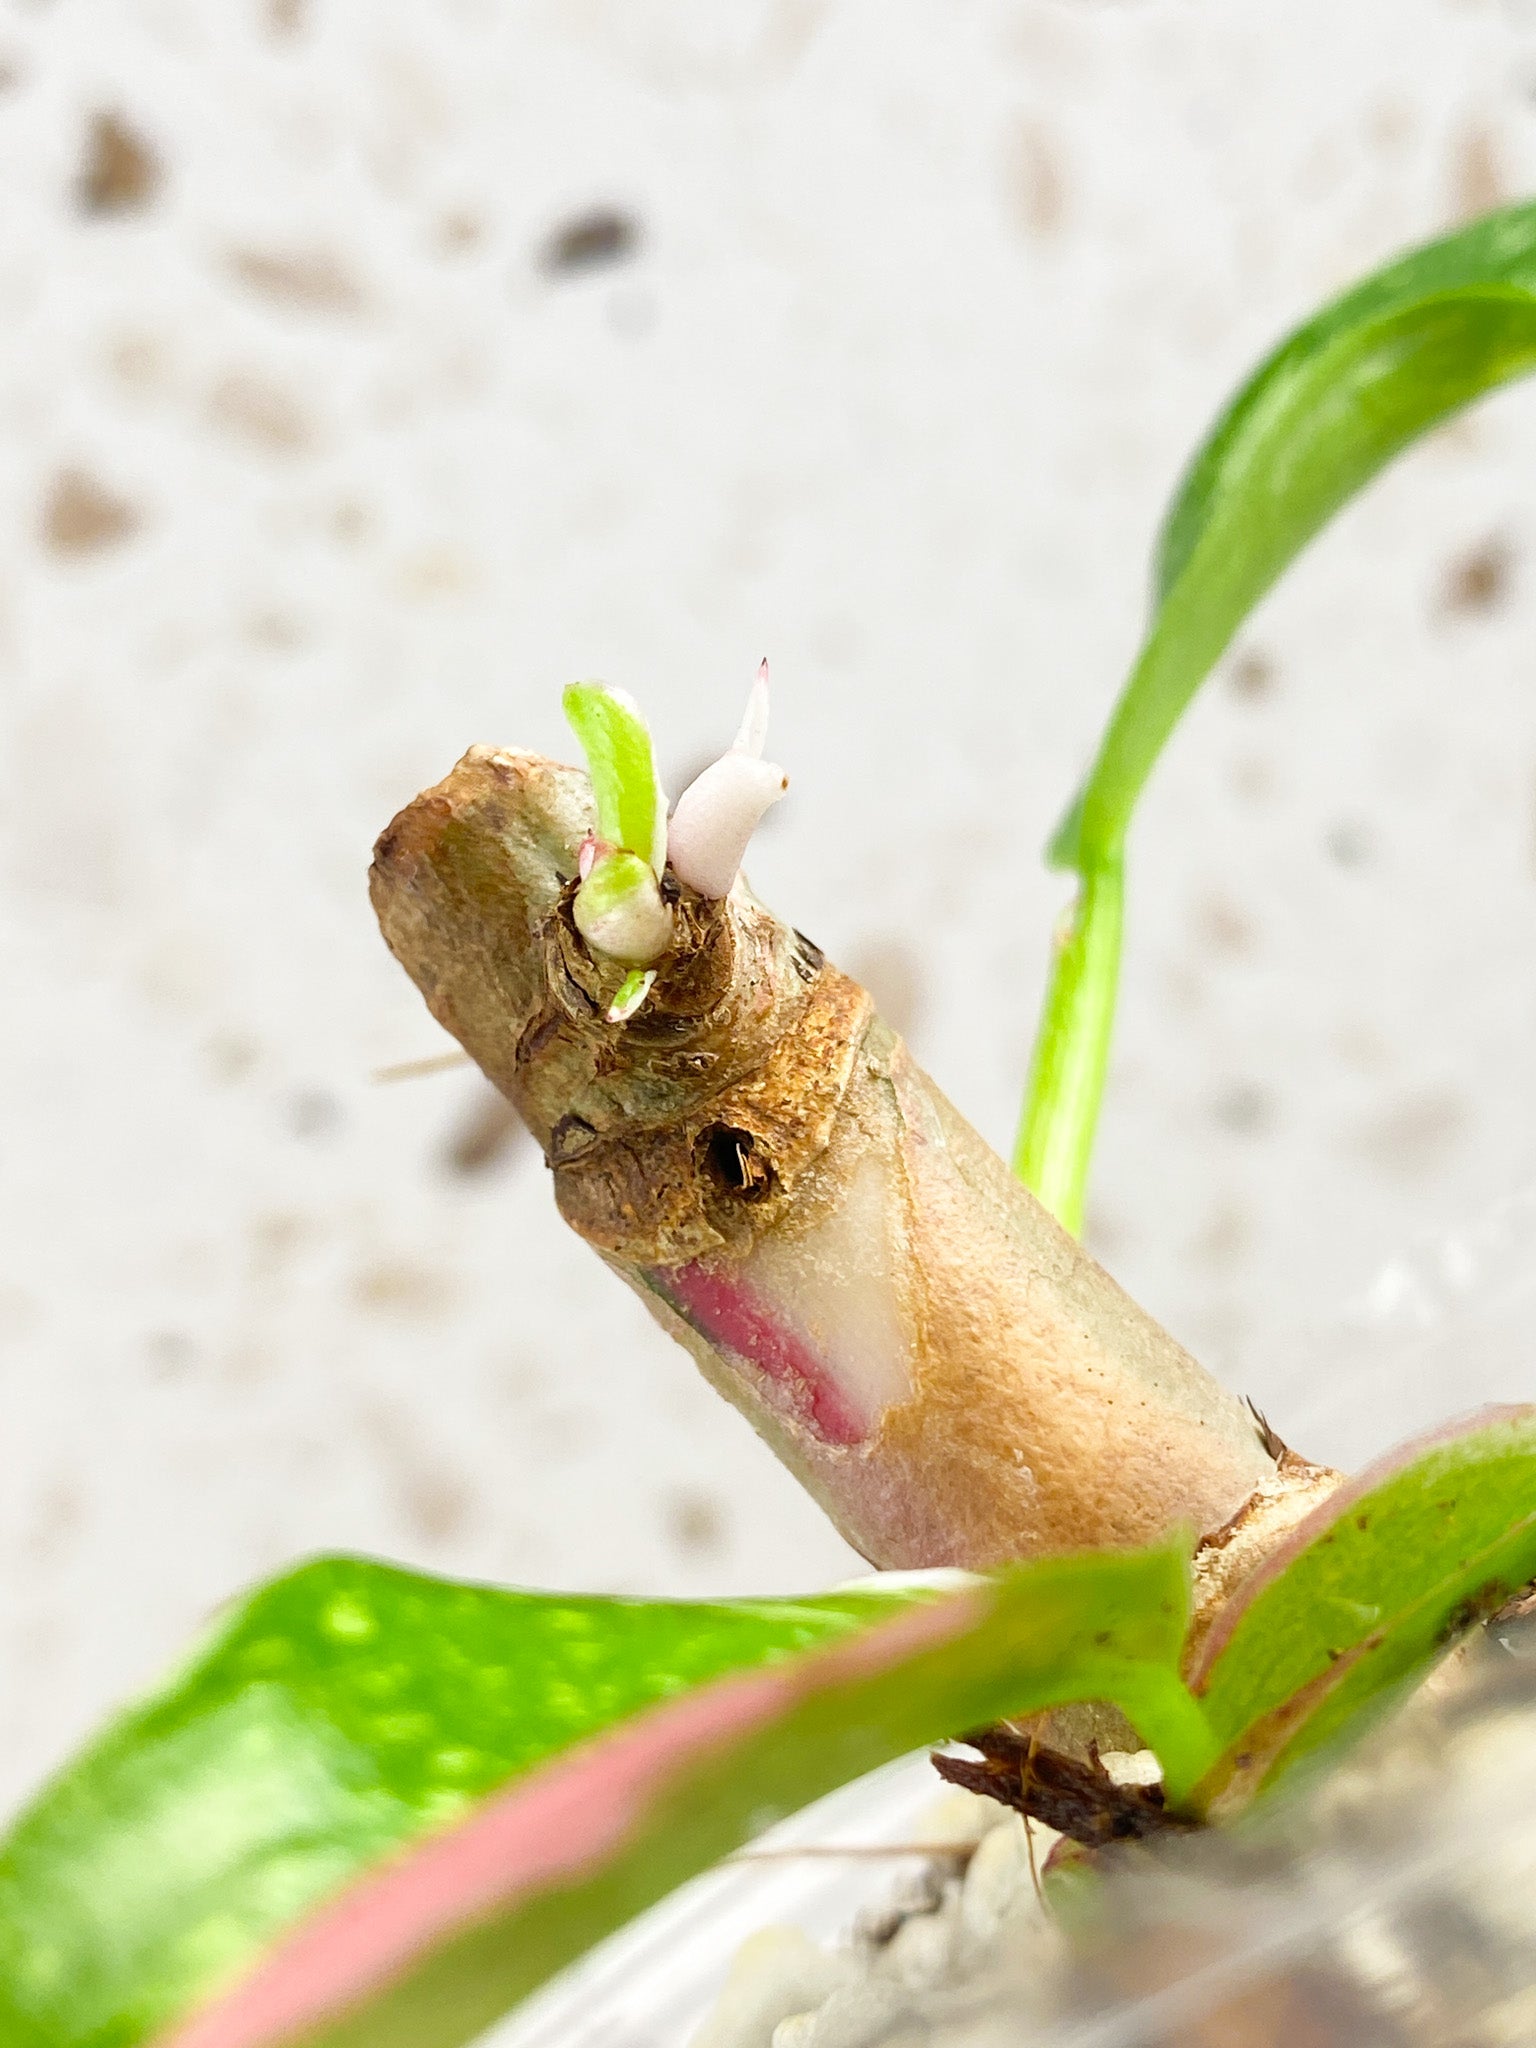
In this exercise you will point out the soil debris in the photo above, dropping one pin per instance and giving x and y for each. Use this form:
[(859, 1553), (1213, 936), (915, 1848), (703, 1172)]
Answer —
[(1478, 582), (436, 1501), (1349, 843), (592, 240), (303, 280), (696, 1521), (263, 415), (1251, 675), (1416, 1134), (1244, 1107), (1225, 927), (120, 173), (83, 517), (1037, 182), (1478, 183)]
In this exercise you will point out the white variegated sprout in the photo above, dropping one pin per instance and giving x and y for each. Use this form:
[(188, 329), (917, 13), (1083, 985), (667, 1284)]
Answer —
[(619, 907), (718, 812), (619, 910)]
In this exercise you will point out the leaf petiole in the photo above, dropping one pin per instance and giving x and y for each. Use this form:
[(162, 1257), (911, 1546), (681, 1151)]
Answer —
[(1071, 1055), (1341, 396)]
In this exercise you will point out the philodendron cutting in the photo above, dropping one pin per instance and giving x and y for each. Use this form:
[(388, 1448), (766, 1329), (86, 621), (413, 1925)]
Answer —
[(377, 1808), (759, 1157)]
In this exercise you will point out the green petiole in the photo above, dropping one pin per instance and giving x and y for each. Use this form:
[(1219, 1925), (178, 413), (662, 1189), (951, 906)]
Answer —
[(1335, 402), (1071, 1055)]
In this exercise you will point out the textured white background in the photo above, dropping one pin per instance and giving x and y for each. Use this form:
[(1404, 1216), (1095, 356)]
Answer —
[(312, 472)]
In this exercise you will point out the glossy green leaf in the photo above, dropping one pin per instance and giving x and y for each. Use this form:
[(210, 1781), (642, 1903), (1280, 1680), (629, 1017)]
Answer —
[(429, 1952), (1336, 401), (335, 1716), (353, 1719), (626, 789), (1345, 393), (1371, 1589)]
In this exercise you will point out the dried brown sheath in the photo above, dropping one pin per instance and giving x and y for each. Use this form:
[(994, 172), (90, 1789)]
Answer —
[(756, 1153), (1074, 1795)]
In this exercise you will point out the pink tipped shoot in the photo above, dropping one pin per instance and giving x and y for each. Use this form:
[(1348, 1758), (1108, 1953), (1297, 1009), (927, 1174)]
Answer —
[(718, 812), (754, 725)]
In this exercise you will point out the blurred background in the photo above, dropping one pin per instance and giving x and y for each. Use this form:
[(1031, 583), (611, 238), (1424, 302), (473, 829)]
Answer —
[(368, 371)]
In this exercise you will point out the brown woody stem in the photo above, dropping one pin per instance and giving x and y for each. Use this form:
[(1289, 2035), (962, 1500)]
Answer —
[(757, 1154)]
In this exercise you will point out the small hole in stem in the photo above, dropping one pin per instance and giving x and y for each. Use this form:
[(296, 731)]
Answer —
[(736, 1162)]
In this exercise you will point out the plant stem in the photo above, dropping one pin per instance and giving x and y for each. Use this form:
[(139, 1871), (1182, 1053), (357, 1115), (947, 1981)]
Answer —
[(1071, 1056)]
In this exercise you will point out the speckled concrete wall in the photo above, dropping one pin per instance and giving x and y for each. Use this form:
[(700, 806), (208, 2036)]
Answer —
[(367, 371)]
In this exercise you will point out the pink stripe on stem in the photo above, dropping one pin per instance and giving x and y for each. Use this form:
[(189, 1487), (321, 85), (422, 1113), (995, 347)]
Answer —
[(726, 1312), (559, 1824)]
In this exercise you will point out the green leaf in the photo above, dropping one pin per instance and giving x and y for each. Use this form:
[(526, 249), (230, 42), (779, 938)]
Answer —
[(1336, 401), (479, 1917), (1345, 393), (335, 1716), (340, 1748), (631, 804), (1365, 1595), (1498, 250)]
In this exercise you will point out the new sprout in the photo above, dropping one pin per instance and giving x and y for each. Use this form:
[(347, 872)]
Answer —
[(719, 811), (626, 790), (619, 908), (619, 911), (633, 990)]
